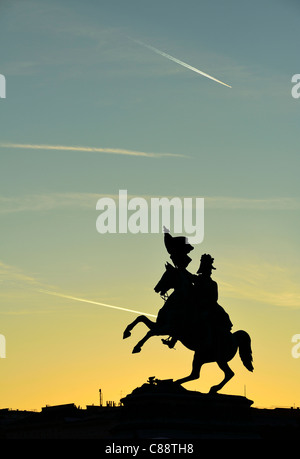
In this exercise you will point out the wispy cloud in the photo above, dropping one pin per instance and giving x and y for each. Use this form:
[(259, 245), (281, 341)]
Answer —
[(10, 275), (260, 283), (15, 286), (229, 202), (113, 151), (48, 202), (14, 280), (53, 201)]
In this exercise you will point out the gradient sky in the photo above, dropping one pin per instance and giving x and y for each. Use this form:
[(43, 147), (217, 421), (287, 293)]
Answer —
[(76, 77)]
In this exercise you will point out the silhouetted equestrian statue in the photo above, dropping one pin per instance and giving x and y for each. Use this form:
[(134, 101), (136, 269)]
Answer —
[(191, 314)]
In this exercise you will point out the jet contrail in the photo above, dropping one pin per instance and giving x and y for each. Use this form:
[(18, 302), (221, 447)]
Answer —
[(184, 64), (116, 151), (48, 292)]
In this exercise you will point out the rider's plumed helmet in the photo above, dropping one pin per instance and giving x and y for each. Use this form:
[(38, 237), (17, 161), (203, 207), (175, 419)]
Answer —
[(177, 245)]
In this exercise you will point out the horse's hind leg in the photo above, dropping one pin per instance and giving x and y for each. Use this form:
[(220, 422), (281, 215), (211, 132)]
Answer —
[(195, 374), (144, 319), (228, 375)]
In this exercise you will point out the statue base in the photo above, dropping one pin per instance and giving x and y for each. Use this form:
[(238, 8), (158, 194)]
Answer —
[(164, 408)]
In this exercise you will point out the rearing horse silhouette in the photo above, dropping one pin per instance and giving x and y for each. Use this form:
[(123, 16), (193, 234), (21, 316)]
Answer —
[(218, 348)]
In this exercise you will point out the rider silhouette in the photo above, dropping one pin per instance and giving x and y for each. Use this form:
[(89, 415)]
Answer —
[(178, 248), (206, 295), (205, 292)]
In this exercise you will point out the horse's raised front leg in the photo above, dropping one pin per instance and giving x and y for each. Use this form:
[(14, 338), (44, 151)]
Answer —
[(149, 323), (138, 347), (195, 374), (228, 375)]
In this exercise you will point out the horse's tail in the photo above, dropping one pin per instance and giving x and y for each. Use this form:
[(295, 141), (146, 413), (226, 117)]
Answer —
[(245, 351)]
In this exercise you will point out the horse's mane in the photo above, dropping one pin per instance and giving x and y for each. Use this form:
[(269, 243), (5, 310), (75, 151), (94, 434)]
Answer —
[(169, 267)]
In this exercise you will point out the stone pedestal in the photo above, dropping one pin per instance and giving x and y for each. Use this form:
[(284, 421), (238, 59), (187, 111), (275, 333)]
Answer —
[(164, 409)]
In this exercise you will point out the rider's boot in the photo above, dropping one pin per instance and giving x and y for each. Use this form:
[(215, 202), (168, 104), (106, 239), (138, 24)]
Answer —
[(171, 341)]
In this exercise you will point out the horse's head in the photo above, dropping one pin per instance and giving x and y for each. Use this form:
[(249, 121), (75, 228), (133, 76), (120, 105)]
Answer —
[(167, 280)]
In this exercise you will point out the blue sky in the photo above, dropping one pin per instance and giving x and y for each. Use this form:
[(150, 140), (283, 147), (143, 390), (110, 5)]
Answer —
[(75, 77)]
